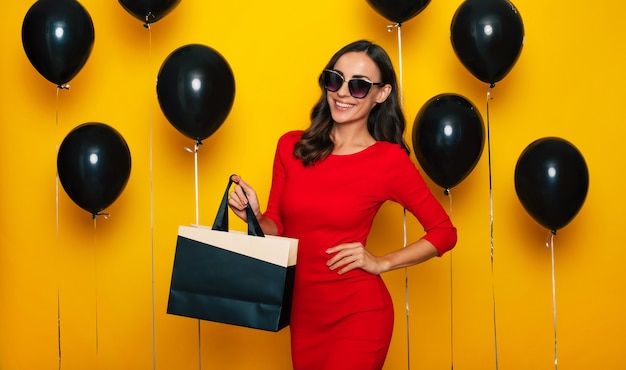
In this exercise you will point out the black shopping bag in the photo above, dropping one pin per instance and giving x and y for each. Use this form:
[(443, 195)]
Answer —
[(232, 277)]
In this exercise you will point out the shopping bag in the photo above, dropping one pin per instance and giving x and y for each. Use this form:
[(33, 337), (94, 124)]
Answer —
[(232, 277)]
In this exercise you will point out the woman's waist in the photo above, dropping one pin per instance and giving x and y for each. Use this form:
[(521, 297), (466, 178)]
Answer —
[(356, 290)]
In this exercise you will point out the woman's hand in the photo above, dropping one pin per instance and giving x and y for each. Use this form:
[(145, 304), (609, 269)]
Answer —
[(350, 256), (241, 196)]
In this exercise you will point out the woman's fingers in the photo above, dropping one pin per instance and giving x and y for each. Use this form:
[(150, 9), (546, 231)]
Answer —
[(241, 195), (350, 256)]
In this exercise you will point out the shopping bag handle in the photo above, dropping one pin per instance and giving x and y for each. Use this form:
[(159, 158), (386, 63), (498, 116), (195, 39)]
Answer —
[(221, 219)]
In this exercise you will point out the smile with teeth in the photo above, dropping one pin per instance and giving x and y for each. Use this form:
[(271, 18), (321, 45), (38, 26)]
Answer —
[(343, 105)]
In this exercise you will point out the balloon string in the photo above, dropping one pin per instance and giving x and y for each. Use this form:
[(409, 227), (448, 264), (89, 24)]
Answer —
[(195, 153), (449, 194), (150, 119), (199, 344), (95, 264), (492, 248), (390, 27), (56, 202), (195, 156), (398, 26), (550, 245), (406, 297), (400, 69)]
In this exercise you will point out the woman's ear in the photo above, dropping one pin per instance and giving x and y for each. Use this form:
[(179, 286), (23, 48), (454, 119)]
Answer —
[(383, 93)]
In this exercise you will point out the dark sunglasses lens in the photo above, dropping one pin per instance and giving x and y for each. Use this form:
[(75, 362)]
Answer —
[(359, 88), (332, 81)]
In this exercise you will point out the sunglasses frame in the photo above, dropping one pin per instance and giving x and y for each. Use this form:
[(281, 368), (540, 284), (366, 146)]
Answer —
[(350, 82)]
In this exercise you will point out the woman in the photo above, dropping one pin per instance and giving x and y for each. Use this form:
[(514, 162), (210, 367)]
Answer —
[(328, 183)]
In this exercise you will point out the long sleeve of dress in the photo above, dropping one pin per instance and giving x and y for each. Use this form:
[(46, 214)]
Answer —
[(407, 187)]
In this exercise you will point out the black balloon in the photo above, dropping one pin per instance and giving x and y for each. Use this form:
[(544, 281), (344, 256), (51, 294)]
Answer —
[(551, 181), (487, 37), (93, 164), (57, 36), (398, 11), (448, 138), (149, 11), (196, 90)]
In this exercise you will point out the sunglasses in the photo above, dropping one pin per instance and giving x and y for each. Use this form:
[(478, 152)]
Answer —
[(359, 88)]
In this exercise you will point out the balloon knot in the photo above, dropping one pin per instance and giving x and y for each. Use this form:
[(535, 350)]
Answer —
[(553, 231), (390, 27), (146, 25), (492, 85), (64, 86), (446, 192), (195, 148), (105, 215)]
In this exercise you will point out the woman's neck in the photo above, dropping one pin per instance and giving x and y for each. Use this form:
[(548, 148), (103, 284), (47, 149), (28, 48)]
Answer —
[(349, 139)]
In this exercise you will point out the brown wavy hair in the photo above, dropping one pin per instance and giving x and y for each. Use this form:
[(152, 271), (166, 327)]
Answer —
[(386, 121)]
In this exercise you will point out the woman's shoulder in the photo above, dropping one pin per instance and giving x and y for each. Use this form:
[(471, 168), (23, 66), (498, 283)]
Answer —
[(392, 157), (292, 135), (289, 138), (391, 149)]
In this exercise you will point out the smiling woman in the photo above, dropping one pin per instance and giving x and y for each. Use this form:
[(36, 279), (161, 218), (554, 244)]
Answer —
[(348, 166)]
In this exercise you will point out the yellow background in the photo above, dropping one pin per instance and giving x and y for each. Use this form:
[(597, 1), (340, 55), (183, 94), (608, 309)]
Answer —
[(96, 292)]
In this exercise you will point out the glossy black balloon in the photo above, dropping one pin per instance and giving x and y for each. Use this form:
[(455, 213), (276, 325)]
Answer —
[(487, 37), (448, 138), (149, 11), (551, 181), (58, 36), (93, 164), (398, 11), (196, 90)]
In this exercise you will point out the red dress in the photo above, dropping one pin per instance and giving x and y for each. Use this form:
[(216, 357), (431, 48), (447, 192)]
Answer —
[(345, 321)]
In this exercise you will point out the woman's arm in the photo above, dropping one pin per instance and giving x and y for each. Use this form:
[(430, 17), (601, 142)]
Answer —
[(407, 187), (350, 256)]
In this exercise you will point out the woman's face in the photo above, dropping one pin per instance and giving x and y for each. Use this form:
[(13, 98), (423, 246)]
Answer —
[(345, 108)]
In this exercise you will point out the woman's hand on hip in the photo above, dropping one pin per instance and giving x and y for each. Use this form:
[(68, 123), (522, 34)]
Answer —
[(350, 256)]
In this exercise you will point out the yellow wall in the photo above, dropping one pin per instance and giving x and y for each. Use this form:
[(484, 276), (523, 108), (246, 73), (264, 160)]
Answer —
[(97, 276)]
